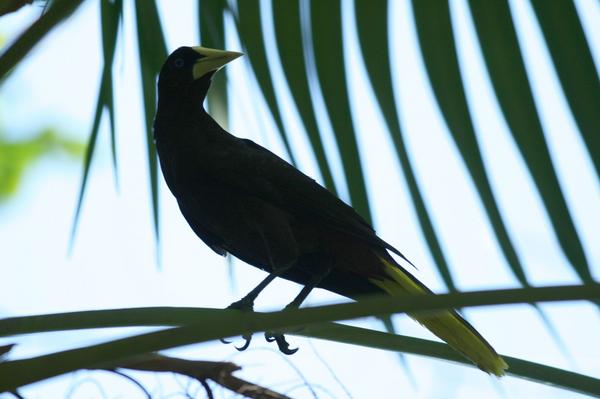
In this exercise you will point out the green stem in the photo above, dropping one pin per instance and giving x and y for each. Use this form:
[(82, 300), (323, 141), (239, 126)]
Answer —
[(371, 306), (210, 324), (519, 368)]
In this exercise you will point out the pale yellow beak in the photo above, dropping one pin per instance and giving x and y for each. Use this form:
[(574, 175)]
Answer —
[(213, 60)]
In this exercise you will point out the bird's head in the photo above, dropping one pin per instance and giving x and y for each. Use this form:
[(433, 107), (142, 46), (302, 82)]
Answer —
[(192, 68)]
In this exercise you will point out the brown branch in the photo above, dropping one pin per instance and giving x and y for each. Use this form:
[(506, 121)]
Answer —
[(219, 372), (248, 389)]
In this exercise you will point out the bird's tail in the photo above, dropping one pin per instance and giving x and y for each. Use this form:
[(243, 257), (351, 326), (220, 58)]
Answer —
[(447, 325)]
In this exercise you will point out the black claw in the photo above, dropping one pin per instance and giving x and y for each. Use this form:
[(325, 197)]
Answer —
[(248, 339), (284, 346), (244, 306), (269, 337)]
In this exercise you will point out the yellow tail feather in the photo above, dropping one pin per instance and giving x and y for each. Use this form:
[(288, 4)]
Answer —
[(447, 325)]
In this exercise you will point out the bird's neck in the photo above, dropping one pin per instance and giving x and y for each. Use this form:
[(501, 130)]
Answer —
[(177, 110)]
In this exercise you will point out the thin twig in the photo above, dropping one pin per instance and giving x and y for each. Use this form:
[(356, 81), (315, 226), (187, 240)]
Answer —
[(207, 388), (219, 372), (134, 381)]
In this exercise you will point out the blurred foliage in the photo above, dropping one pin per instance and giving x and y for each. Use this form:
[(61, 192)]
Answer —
[(17, 156)]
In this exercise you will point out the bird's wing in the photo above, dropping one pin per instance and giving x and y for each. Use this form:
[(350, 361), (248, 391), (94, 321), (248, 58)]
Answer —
[(213, 241), (246, 166)]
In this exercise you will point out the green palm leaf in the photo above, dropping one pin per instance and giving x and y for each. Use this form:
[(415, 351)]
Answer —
[(507, 72)]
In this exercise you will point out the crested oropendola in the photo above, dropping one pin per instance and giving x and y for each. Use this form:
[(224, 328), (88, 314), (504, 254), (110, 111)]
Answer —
[(240, 198)]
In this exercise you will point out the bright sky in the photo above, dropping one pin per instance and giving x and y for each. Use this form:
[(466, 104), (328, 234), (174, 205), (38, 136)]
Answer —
[(114, 265)]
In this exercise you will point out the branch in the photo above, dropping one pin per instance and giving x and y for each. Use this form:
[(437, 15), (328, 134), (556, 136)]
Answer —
[(58, 11), (219, 372), (201, 325), (231, 322)]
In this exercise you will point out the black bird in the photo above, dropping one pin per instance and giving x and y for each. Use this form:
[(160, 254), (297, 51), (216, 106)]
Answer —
[(242, 199)]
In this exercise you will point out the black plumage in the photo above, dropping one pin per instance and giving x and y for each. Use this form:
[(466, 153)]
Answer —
[(242, 199)]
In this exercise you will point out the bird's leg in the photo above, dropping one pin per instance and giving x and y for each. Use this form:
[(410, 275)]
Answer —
[(279, 261), (246, 304), (279, 338)]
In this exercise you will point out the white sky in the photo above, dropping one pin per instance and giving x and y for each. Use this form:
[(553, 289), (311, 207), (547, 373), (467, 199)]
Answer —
[(114, 265)]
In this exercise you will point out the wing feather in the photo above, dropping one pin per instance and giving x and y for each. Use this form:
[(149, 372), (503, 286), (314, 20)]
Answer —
[(248, 167)]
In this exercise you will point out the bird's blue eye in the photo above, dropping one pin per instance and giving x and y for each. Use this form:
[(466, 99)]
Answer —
[(179, 62)]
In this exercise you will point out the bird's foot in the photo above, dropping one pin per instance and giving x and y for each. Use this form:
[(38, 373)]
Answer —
[(244, 306), (284, 346), (247, 338)]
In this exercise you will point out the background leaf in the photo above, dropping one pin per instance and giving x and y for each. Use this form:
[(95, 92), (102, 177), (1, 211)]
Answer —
[(502, 56), (111, 13), (328, 48), (432, 18), (372, 26), (286, 17), (436, 38), (251, 35), (575, 68), (212, 35), (152, 53), (16, 157)]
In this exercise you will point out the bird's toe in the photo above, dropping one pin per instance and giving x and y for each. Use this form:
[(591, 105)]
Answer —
[(282, 344), (248, 339)]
